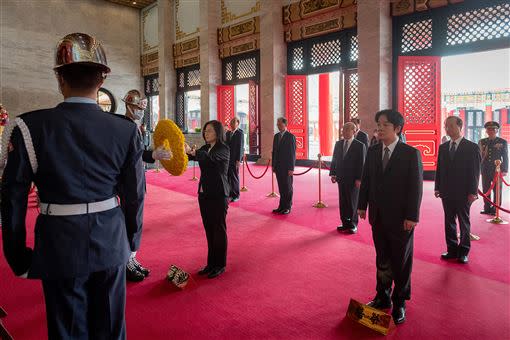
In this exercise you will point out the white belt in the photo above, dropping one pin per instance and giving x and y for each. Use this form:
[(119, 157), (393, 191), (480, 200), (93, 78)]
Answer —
[(78, 209)]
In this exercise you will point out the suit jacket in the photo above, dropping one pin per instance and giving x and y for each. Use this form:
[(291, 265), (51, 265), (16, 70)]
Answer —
[(213, 170), (84, 155), (284, 152), (362, 137), (395, 194), (457, 178), (350, 167), (493, 150), (235, 141)]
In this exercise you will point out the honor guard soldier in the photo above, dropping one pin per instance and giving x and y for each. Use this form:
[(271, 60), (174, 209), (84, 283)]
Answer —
[(492, 149), (82, 160), (135, 109)]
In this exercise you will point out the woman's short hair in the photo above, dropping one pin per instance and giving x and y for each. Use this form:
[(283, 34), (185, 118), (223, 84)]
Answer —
[(218, 128)]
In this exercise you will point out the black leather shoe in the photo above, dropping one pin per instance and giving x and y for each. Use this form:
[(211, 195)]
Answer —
[(132, 274), (485, 212), (463, 259), (216, 272), (204, 271), (379, 304), (234, 199), (341, 228), (448, 256), (276, 211), (399, 314), (140, 268), (353, 230), (285, 212)]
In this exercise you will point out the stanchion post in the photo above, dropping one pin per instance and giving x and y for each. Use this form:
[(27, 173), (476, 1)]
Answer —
[(320, 203), (244, 188), (157, 166), (272, 193), (497, 219), (194, 178)]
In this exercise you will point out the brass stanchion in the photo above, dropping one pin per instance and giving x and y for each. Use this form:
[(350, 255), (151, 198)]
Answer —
[(497, 219), (320, 203), (157, 166), (272, 193), (194, 178), (244, 188)]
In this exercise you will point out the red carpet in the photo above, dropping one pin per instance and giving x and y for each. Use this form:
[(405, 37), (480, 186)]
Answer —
[(290, 277)]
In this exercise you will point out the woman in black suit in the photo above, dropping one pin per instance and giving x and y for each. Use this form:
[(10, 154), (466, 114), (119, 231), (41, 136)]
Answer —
[(213, 192)]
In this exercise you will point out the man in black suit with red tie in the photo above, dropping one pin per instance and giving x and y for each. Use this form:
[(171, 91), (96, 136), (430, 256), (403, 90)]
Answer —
[(346, 170), (283, 160), (457, 176), (235, 141), (392, 187)]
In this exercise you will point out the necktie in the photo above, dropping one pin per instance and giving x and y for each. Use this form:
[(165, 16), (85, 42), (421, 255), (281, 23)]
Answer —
[(346, 146), (452, 150), (386, 158)]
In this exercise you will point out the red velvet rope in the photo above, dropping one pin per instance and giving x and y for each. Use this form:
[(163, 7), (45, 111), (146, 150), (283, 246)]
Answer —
[(493, 184), (259, 177), (494, 204), (324, 166), (503, 179), (304, 172)]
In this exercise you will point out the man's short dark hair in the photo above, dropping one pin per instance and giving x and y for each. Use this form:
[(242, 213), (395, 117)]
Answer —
[(81, 76), (283, 120), (394, 117), (458, 121)]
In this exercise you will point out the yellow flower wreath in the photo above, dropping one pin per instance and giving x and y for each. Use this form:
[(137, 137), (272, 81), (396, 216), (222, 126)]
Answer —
[(168, 135)]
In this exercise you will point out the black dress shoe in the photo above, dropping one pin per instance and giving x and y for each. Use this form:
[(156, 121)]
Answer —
[(379, 304), (485, 212), (341, 228), (353, 230), (234, 199), (448, 256), (276, 211), (139, 267), (463, 259), (204, 271), (399, 314), (132, 274), (285, 212), (216, 272)]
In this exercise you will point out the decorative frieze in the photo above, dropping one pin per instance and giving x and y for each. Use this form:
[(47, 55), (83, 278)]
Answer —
[(304, 9), (402, 7), (240, 30)]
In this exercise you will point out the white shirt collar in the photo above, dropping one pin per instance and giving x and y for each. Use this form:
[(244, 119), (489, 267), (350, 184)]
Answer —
[(80, 100), (391, 146), (457, 141)]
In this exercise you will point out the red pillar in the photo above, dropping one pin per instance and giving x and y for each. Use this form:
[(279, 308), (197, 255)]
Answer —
[(325, 116)]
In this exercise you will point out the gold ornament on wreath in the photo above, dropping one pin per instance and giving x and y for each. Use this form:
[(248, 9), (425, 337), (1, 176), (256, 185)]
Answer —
[(168, 135)]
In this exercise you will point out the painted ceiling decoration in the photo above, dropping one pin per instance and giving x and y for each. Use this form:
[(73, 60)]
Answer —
[(311, 18), (402, 7), (239, 38), (230, 9), (134, 3)]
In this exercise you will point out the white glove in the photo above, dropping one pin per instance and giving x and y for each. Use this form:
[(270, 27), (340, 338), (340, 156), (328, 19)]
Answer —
[(161, 154)]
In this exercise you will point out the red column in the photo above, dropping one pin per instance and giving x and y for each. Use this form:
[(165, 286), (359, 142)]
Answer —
[(325, 116)]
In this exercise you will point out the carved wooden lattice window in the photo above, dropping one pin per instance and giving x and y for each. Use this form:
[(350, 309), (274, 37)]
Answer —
[(326, 53), (180, 79), (481, 24), (247, 68), (240, 69), (151, 85), (297, 55), (296, 112), (416, 36), (180, 110), (193, 78), (420, 93), (354, 51), (188, 78), (351, 81)]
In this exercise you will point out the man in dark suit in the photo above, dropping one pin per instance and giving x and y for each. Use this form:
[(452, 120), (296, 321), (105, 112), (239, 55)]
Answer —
[(80, 158), (346, 170), (135, 109), (457, 176), (235, 141), (492, 148), (283, 160), (360, 135), (392, 187)]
